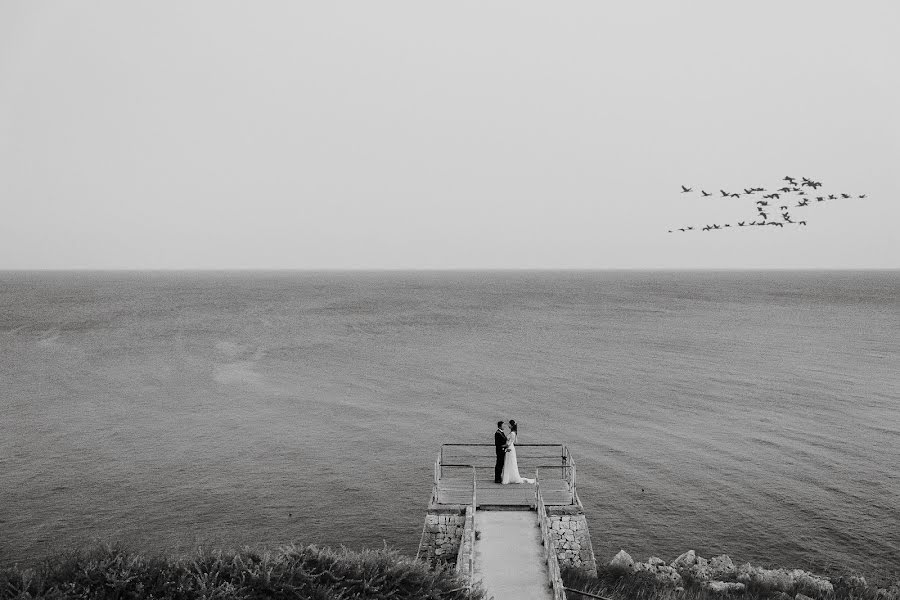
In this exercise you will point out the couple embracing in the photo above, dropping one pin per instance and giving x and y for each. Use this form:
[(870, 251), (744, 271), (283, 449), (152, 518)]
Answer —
[(507, 468)]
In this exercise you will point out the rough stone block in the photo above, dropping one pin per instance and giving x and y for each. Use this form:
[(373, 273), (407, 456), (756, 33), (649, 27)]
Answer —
[(721, 587), (721, 567)]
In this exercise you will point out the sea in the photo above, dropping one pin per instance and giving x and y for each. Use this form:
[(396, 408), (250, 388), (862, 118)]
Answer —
[(751, 413)]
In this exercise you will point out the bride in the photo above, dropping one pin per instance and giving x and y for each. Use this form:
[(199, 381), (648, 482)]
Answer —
[(510, 464)]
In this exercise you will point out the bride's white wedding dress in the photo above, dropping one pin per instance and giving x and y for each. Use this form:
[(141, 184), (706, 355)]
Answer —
[(511, 464)]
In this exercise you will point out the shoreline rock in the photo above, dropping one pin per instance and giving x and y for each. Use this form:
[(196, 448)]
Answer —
[(720, 575), (622, 561)]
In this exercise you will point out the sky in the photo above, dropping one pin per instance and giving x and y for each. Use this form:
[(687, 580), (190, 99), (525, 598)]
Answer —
[(467, 135)]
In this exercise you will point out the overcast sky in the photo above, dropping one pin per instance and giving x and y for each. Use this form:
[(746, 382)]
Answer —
[(479, 134)]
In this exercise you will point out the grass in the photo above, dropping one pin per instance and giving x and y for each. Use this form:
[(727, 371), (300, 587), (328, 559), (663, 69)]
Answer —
[(308, 572), (618, 584)]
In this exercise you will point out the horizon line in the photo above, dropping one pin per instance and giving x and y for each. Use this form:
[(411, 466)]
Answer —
[(422, 269)]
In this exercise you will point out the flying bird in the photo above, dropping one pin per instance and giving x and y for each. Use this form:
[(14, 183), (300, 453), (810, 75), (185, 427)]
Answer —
[(791, 186), (862, 195)]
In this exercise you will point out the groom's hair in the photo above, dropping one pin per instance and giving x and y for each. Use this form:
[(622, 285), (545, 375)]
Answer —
[(499, 424)]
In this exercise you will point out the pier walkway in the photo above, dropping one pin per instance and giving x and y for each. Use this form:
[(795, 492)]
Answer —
[(509, 557)]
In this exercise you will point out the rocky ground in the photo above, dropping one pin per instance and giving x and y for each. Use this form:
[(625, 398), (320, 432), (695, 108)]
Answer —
[(692, 576)]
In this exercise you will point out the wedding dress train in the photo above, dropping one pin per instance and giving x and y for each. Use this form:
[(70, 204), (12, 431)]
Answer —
[(511, 464)]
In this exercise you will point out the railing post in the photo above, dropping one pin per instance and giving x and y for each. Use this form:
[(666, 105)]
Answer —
[(574, 482), (565, 459)]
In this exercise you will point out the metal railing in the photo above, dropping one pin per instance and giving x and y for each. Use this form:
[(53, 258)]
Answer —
[(562, 456), (465, 564), (550, 557)]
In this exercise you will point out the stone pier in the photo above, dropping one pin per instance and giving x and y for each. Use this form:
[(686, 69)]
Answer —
[(499, 518)]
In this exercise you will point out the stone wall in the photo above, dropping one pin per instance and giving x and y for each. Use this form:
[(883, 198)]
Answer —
[(571, 538), (442, 534), (445, 525)]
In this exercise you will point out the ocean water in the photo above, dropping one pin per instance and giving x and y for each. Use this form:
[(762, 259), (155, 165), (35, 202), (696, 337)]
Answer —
[(749, 413)]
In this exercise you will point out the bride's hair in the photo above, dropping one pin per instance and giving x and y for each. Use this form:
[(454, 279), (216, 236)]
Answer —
[(513, 426)]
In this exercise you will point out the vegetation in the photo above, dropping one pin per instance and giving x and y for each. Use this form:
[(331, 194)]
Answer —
[(289, 572), (618, 584)]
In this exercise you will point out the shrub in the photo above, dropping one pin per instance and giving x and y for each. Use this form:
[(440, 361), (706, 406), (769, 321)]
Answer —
[(309, 572)]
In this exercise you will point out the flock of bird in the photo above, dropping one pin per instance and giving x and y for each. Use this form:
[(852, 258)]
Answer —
[(804, 193)]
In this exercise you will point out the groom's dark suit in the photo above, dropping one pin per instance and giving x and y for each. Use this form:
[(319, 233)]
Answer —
[(499, 442)]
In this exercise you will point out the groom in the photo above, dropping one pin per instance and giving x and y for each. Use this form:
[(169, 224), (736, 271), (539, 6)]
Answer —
[(500, 447)]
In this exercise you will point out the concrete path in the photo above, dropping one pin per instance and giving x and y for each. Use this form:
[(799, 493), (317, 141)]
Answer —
[(509, 559)]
